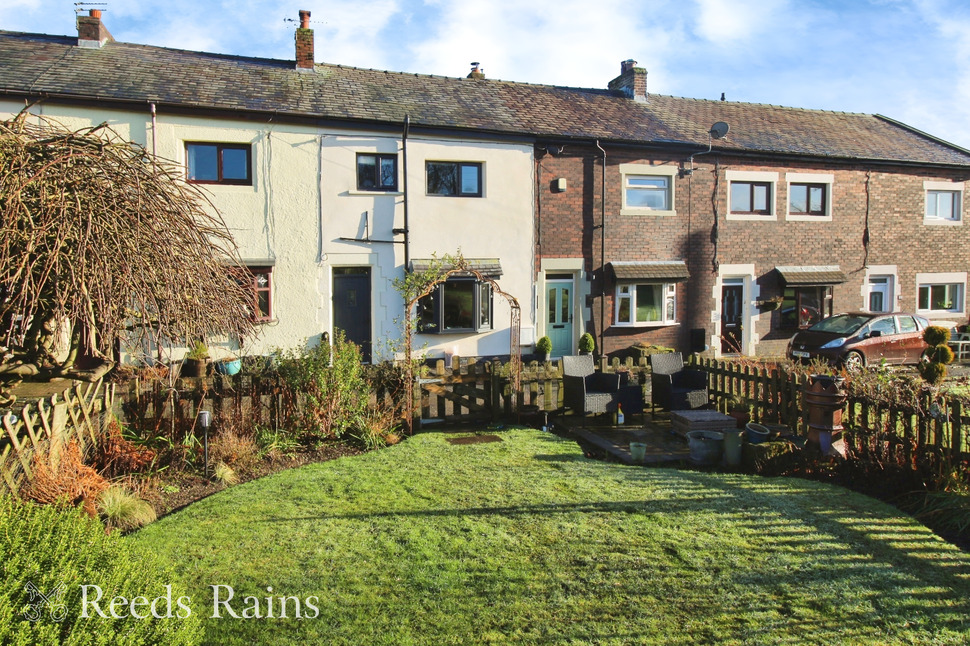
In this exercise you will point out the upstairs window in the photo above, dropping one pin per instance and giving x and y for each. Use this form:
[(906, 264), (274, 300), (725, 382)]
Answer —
[(751, 198), (648, 189), (218, 163), (807, 199), (456, 179), (943, 205), (459, 305), (376, 172)]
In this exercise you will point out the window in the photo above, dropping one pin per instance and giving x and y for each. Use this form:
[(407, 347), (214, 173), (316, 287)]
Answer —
[(261, 282), (946, 297), (751, 197), (647, 190), (218, 163), (646, 304), (804, 306), (943, 205), (376, 172), (810, 196), (944, 202), (807, 199), (457, 305), (458, 179)]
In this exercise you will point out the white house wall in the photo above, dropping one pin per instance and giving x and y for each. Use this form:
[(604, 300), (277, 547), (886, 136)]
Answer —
[(496, 225), (304, 199)]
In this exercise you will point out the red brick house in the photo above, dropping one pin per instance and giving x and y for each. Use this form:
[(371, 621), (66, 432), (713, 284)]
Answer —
[(735, 242)]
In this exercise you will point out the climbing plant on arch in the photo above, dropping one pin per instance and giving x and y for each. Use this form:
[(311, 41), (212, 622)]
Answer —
[(416, 285)]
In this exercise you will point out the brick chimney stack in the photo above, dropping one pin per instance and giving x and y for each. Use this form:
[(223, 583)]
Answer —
[(91, 32), (304, 43), (632, 81)]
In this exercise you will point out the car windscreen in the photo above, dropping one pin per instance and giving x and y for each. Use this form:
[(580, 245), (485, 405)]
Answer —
[(841, 324)]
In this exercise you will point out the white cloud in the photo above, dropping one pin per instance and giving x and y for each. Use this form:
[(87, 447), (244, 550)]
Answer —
[(729, 21)]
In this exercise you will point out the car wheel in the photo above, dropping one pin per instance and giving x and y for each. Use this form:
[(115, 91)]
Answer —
[(854, 361)]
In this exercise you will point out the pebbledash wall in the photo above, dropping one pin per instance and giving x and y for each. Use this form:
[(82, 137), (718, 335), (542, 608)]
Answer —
[(304, 199), (875, 225)]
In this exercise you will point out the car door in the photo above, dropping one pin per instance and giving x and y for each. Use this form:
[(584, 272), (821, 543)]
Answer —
[(910, 337), (883, 344)]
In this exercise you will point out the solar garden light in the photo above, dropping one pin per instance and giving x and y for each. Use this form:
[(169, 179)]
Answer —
[(205, 418)]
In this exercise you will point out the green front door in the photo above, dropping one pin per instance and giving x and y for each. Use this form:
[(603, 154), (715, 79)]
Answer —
[(559, 316)]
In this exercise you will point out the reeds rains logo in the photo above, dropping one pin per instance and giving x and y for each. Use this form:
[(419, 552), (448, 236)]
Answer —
[(40, 605)]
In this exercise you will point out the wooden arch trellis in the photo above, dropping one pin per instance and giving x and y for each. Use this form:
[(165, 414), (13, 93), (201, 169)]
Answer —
[(460, 265)]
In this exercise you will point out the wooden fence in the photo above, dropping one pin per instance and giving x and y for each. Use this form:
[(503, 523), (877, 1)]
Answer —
[(41, 428), (934, 425)]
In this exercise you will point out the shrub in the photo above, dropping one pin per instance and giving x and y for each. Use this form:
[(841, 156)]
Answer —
[(225, 475), (377, 428), (936, 335), (544, 345), (48, 547), (120, 509), (64, 478), (116, 455), (587, 343), (275, 444), (935, 357), (235, 449), (330, 382)]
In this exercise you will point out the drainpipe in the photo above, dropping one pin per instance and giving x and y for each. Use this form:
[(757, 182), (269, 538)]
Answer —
[(404, 160), (602, 247), (154, 129)]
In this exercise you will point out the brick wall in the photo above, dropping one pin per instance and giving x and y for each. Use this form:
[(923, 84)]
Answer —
[(569, 226)]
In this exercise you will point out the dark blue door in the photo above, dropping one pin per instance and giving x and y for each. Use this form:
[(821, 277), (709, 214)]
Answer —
[(351, 306)]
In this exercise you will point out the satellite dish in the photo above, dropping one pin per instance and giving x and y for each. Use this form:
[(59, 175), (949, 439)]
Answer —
[(719, 129)]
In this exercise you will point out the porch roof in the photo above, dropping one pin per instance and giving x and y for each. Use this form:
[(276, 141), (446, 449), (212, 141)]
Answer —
[(795, 276), (490, 267), (670, 270)]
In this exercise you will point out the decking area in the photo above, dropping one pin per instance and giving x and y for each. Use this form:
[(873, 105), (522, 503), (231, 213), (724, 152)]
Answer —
[(662, 445)]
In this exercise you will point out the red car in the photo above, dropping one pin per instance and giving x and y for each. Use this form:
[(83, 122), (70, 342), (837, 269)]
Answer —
[(860, 338)]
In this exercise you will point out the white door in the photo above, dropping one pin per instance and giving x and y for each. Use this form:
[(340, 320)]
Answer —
[(880, 294)]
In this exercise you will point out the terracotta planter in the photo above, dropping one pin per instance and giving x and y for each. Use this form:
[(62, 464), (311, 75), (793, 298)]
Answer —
[(194, 367)]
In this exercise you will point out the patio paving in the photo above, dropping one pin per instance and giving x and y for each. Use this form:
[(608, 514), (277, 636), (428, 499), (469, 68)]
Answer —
[(663, 446)]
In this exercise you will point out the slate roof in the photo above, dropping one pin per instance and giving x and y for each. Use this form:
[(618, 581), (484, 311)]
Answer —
[(675, 270), (810, 275), (52, 66)]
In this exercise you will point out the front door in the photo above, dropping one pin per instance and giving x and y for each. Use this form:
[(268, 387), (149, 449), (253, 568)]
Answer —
[(880, 293), (732, 312), (559, 319), (351, 306)]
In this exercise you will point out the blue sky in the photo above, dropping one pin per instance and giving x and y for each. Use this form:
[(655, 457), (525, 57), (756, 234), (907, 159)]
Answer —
[(906, 59)]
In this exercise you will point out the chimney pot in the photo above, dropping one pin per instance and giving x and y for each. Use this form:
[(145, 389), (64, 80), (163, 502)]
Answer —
[(476, 72), (627, 65), (304, 19), (95, 13)]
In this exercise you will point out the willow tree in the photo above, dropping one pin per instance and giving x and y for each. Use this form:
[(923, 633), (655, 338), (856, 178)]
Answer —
[(102, 243)]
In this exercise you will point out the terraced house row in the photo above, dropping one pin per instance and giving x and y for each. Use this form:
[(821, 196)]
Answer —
[(703, 225)]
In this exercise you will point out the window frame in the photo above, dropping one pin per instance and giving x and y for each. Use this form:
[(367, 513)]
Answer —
[(254, 271), (768, 180), (220, 148), (434, 303), (460, 165), (955, 190), (825, 311), (810, 180), (378, 187), (628, 290), (667, 173)]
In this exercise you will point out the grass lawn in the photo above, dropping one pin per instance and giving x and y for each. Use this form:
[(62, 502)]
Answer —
[(527, 541)]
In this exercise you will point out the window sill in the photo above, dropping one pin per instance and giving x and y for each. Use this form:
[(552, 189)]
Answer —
[(939, 313), (809, 218), (751, 217), (940, 222), (358, 192), (652, 212), (271, 321), (647, 325)]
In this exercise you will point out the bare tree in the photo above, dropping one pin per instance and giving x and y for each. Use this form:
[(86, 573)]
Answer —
[(102, 243)]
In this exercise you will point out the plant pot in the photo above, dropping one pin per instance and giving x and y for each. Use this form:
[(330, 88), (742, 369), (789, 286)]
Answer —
[(706, 447), (741, 417), (229, 366), (638, 451), (757, 433), (732, 448), (193, 367)]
